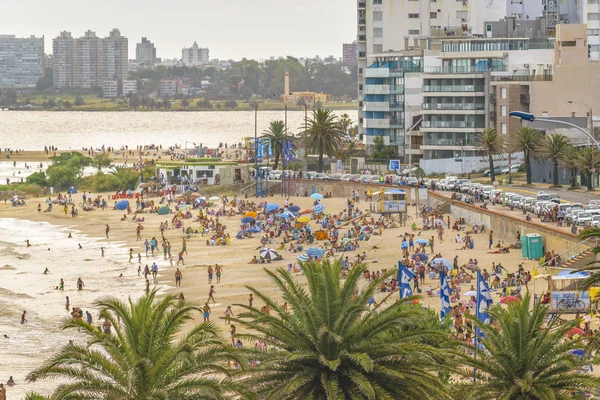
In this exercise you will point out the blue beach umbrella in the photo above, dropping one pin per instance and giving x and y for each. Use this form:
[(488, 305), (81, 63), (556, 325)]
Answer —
[(254, 230), (247, 220), (442, 261), (422, 257), (319, 208), (315, 252), (422, 241), (294, 208), (271, 207), (122, 205), (302, 258), (577, 352), (316, 196), (285, 215)]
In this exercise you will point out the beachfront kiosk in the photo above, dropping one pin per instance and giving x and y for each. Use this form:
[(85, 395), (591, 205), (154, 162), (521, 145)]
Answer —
[(391, 204), (565, 293)]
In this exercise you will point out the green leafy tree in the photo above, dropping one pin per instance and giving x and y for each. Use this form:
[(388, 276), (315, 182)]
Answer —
[(526, 357), (145, 357), (134, 101), (37, 178), (323, 134), (219, 106), (527, 140), (79, 101), (231, 104), (66, 169), (345, 122), (185, 103), (101, 160), (380, 150), (67, 104), (127, 178), (331, 345), (553, 148), (204, 103), (492, 143), (277, 134), (588, 161), (51, 103)]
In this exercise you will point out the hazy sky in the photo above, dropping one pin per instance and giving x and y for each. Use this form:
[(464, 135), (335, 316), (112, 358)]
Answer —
[(229, 28)]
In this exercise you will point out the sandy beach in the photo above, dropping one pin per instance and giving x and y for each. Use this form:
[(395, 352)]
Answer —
[(234, 258)]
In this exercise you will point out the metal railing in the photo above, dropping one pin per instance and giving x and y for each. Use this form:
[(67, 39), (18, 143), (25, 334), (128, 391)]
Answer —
[(449, 142), (470, 69), (453, 88), (450, 124), (521, 78), (453, 106)]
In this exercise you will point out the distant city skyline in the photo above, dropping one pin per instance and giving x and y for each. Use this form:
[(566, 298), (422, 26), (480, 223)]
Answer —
[(236, 30)]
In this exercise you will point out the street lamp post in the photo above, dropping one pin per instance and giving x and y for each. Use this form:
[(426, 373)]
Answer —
[(591, 128)]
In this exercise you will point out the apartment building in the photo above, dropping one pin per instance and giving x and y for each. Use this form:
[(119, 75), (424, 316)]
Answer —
[(63, 56), (349, 53), (194, 56), (21, 61), (145, 54), (87, 67), (114, 59), (114, 88)]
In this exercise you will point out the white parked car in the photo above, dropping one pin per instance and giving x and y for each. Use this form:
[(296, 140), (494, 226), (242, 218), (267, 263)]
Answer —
[(583, 218), (595, 221)]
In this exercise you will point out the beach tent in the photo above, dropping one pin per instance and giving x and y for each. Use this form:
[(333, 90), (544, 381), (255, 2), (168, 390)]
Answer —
[(122, 205), (72, 190), (164, 210)]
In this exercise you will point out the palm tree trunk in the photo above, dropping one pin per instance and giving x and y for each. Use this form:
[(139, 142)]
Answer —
[(491, 160), (589, 180), (573, 177), (528, 168), (555, 177), (320, 166), (276, 160)]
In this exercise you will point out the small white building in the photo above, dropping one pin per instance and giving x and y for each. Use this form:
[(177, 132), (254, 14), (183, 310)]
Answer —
[(200, 171)]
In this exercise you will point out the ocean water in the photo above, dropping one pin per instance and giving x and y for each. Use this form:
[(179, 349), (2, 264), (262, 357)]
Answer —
[(23, 286)]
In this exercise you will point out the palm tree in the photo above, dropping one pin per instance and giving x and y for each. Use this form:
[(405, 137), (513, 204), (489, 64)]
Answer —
[(492, 143), (145, 357), (588, 161), (345, 122), (323, 134), (528, 141), (278, 134), (330, 345), (525, 358), (570, 161), (553, 148), (594, 266)]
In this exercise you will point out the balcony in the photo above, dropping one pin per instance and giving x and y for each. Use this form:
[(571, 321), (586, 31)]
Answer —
[(384, 89), (453, 88), (461, 70), (450, 124), (385, 123), (362, 21), (453, 106), (449, 142), (362, 5), (521, 78), (524, 98), (382, 106), (362, 38)]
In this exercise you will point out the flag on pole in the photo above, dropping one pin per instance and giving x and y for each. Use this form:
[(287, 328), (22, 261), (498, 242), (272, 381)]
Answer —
[(259, 149), (534, 271), (484, 301), (444, 293), (405, 276), (269, 148)]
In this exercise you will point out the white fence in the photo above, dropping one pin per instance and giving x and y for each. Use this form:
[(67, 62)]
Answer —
[(450, 166)]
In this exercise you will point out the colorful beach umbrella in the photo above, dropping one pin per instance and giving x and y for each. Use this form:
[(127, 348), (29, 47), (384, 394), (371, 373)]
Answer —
[(302, 258), (303, 219), (575, 331), (442, 261), (315, 252), (509, 299), (316, 196), (306, 211), (271, 207), (294, 208), (268, 254), (250, 214), (254, 230), (367, 228), (319, 208), (164, 210), (422, 257), (470, 293)]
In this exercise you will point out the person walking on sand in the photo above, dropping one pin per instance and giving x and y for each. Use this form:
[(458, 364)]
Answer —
[(102, 250), (147, 286), (107, 230), (211, 292), (154, 271), (228, 315), (180, 260), (61, 285), (185, 247), (490, 240), (67, 304), (23, 320), (138, 232), (130, 254), (210, 273), (80, 284), (178, 276), (206, 312), (2, 392), (147, 246), (218, 270)]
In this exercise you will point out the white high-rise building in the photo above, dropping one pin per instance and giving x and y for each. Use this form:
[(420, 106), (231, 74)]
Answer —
[(115, 61), (145, 53), (87, 71), (194, 56), (63, 56)]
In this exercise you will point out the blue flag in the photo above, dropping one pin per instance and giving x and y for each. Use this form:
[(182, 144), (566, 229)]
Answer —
[(484, 301), (444, 293), (269, 148), (405, 276), (259, 149)]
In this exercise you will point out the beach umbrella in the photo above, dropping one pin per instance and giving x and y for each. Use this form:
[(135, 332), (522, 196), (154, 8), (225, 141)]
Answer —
[(470, 293), (251, 214), (367, 228), (302, 258), (509, 299), (254, 230), (303, 219), (422, 241), (575, 331), (199, 200), (122, 205), (316, 196), (422, 257), (577, 352), (269, 221), (294, 208), (196, 195), (285, 215), (271, 207), (247, 220), (164, 210), (268, 254), (307, 211), (184, 207), (214, 198), (319, 208), (315, 252), (442, 261)]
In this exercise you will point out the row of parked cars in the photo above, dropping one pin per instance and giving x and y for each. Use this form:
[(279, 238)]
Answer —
[(358, 178)]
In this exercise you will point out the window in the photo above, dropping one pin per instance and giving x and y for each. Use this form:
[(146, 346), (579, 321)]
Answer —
[(413, 15), (593, 32), (593, 16), (377, 1), (503, 111), (488, 27), (378, 32), (503, 93), (377, 16), (503, 128), (377, 48), (432, 15), (462, 15), (414, 32), (568, 43)]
